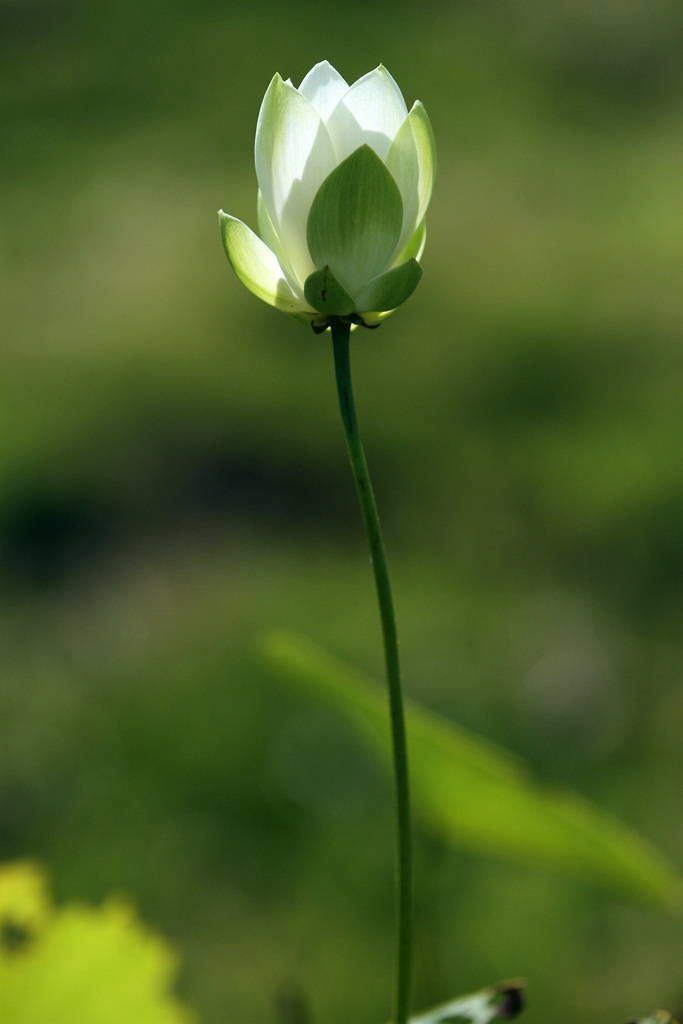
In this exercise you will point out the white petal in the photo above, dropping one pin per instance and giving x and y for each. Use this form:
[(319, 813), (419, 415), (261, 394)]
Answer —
[(323, 86), (426, 155), (270, 237), (294, 155), (371, 112)]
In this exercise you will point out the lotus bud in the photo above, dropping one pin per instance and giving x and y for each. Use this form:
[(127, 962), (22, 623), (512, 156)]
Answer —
[(345, 174)]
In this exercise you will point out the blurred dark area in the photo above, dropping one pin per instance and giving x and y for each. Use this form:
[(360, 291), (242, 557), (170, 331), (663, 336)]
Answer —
[(173, 482)]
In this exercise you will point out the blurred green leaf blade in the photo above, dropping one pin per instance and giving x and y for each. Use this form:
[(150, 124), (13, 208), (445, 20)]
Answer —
[(476, 795)]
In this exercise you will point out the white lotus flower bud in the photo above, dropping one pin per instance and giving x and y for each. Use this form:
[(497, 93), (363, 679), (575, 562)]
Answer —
[(345, 174)]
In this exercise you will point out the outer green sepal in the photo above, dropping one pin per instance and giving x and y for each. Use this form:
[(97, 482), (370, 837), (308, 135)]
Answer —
[(355, 219), (391, 289), (325, 294)]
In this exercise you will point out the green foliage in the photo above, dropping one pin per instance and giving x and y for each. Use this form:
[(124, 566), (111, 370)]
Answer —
[(474, 794), (74, 963)]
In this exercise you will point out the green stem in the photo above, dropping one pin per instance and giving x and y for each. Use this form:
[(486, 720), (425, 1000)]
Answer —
[(340, 336)]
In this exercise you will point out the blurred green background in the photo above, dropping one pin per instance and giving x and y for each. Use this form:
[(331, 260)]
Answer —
[(173, 482)]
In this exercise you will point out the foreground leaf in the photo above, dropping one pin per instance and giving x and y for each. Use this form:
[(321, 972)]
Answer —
[(474, 794), (79, 964)]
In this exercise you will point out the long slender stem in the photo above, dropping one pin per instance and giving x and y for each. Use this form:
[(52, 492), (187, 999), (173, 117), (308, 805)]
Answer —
[(340, 336)]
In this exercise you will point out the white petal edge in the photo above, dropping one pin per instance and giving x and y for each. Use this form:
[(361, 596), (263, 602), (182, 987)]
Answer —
[(294, 155), (426, 155), (323, 87), (269, 236), (257, 267), (372, 111)]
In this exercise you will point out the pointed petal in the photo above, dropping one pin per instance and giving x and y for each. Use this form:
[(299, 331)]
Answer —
[(403, 165), (355, 220), (256, 266), (389, 290), (412, 163), (371, 112), (325, 294), (323, 87), (426, 154), (294, 155)]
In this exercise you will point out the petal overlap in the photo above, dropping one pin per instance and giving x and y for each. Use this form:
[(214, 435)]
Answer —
[(411, 161), (323, 87), (355, 220), (294, 155)]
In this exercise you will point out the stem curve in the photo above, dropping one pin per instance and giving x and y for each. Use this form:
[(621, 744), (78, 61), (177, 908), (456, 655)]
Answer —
[(340, 337)]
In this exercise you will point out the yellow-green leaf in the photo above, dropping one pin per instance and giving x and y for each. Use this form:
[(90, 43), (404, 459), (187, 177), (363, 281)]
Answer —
[(79, 964)]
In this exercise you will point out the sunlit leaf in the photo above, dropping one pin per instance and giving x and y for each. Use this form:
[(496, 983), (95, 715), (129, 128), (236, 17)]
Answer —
[(475, 795), (79, 964)]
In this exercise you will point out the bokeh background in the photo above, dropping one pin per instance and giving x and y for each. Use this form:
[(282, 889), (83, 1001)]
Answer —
[(173, 482)]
